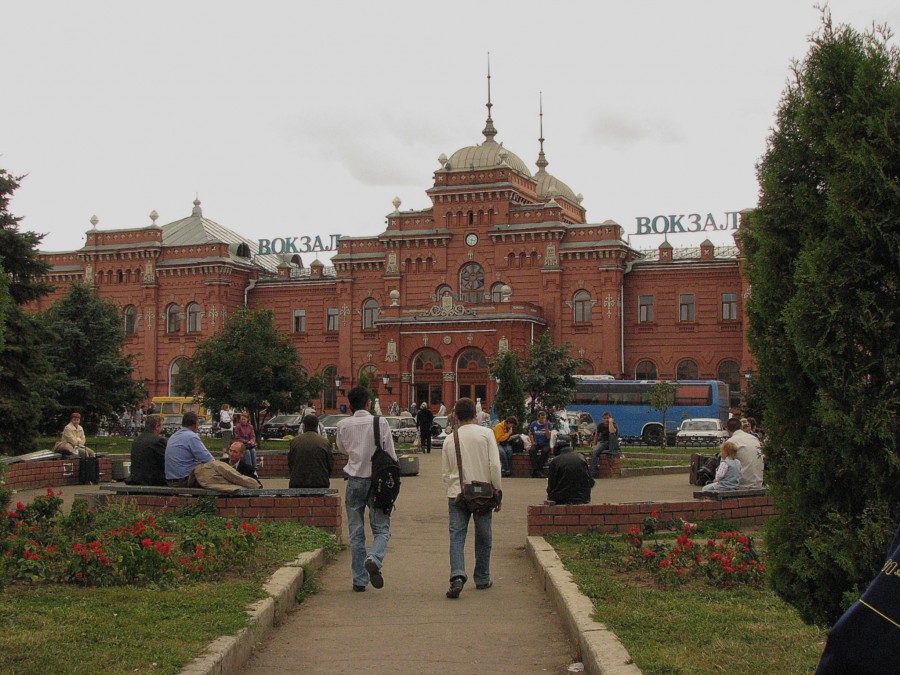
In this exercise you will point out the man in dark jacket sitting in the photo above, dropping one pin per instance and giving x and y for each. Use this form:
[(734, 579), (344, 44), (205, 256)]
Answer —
[(569, 480), (148, 455), (310, 460), (236, 459)]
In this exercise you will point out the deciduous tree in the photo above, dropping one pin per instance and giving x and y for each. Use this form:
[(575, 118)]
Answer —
[(549, 372), (823, 259), (252, 366)]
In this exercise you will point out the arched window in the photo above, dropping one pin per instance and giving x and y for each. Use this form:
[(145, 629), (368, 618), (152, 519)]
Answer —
[(177, 385), (329, 391), (441, 291), (471, 283), (194, 318), (687, 370), (130, 315), (173, 319), (646, 370), (584, 368), (496, 296), (730, 373), (121, 276), (243, 251), (472, 359), (370, 314), (371, 372), (428, 359), (581, 307)]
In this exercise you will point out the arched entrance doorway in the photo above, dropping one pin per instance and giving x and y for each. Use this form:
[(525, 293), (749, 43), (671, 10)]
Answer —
[(427, 378), (472, 375)]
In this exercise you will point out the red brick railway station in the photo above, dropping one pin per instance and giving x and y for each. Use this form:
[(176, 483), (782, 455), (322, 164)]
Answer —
[(500, 256)]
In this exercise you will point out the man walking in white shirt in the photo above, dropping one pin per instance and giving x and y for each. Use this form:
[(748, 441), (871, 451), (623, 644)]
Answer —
[(355, 436), (481, 462)]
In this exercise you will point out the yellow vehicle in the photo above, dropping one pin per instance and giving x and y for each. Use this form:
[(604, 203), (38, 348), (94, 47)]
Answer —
[(178, 405)]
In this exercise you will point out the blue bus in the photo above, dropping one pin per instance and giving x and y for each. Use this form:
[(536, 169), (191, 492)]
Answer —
[(628, 401)]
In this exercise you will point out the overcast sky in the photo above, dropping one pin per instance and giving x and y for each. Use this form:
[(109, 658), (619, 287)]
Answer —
[(291, 119)]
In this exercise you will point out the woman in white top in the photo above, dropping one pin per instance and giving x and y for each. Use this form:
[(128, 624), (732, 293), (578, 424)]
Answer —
[(226, 424)]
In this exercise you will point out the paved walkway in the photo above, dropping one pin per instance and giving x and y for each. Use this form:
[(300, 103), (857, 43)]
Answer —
[(409, 626)]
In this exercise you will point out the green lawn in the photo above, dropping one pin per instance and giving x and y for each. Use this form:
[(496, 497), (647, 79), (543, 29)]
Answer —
[(692, 628), (68, 629)]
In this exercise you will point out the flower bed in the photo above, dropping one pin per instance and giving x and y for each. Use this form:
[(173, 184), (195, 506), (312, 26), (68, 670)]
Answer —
[(117, 546)]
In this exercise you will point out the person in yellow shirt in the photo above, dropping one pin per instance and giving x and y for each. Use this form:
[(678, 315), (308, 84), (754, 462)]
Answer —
[(502, 432)]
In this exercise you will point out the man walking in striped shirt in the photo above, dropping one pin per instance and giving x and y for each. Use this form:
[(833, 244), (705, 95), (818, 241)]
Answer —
[(355, 436)]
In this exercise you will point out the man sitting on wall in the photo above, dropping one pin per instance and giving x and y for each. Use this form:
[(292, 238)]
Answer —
[(749, 453), (148, 455), (236, 461), (569, 478), (310, 460), (184, 452)]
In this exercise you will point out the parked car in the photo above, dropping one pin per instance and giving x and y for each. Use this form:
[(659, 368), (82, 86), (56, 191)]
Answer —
[(171, 424), (329, 422), (281, 426), (701, 431), (403, 429)]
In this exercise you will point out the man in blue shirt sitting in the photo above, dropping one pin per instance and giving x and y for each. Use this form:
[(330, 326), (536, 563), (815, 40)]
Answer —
[(184, 451)]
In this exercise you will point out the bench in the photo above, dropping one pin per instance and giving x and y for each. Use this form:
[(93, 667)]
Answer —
[(200, 492), (719, 495), (316, 507)]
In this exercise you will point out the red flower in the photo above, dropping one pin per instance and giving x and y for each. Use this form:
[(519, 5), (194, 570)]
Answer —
[(147, 543), (20, 506)]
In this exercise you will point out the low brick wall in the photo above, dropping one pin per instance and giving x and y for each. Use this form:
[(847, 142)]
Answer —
[(610, 467), (50, 473), (612, 518), (274, 464), (323, 512)]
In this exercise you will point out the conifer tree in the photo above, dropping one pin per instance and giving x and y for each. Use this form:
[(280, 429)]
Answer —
[(823, 259)]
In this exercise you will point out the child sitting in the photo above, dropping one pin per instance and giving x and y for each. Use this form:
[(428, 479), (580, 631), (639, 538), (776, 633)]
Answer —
[(728, 475)]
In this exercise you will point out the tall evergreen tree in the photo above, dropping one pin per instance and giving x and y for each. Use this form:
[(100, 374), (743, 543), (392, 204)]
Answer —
[(823, 259), (86, 351), (510, 397), (26, 383)]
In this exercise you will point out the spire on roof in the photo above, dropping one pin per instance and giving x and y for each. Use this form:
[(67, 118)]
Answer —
[(542, 160), (489, 130), (197, 211)]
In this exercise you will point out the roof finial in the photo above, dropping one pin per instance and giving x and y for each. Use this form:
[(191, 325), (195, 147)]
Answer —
[(197, 211), (489, 130), (542, 160)]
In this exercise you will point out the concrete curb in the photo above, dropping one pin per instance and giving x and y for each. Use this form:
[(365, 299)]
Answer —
[(229, 653), (601, 651)]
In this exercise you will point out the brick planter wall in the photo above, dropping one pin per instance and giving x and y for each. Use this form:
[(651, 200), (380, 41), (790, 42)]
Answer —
[(323, 512), (274, 464), (50, 473), (613, 518), (610, 467)]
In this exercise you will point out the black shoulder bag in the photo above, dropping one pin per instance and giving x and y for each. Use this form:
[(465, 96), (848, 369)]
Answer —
[(479, 497), (385, 486)]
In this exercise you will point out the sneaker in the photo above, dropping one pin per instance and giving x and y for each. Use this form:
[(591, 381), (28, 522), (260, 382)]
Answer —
[(359, 589), (375, 577), (484, 587), (456, 586)]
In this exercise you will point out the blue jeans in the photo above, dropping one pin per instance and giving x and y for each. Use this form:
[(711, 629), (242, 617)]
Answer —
[(505, 457), (600, 449), (356, 500), (459, 528)]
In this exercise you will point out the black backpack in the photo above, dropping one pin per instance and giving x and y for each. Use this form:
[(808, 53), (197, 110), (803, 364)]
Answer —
[(385, 475)]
